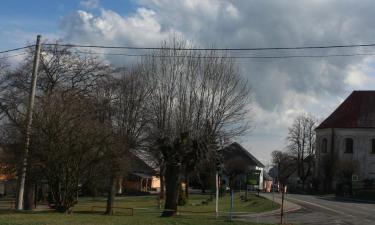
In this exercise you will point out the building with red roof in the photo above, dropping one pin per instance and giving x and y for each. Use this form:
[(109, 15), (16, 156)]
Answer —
[(345, 143)]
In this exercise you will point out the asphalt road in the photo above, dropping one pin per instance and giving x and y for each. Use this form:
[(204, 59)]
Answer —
[(325, 210)]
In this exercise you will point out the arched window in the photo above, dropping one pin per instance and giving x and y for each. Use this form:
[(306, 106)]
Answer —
[(372, 146), (348, 145), (324, 145)]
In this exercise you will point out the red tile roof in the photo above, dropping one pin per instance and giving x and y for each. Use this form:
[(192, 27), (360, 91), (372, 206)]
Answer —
[(357, 111)]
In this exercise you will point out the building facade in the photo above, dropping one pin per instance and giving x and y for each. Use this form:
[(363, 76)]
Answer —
[(345, 142)]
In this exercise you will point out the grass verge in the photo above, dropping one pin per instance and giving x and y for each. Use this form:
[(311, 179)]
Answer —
[(145, 212)]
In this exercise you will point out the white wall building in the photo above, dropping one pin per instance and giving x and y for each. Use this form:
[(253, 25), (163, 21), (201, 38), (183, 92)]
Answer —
[(346, 140), (240, 155)]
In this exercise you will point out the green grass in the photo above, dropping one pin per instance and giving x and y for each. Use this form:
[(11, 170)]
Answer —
[(145, 212)]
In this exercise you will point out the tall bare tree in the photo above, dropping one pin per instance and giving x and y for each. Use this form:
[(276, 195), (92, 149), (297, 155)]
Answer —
[(301, 144), (198, 98), (123, 102)]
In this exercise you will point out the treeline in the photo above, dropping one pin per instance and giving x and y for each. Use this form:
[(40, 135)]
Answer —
[(174, 105)]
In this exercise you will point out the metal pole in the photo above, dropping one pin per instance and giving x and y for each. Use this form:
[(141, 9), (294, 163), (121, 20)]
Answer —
[(231, 203), (217, 195), (29, 118), (273, 191)]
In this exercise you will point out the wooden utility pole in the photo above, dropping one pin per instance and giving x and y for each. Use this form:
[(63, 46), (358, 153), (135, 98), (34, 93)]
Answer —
[(29, 118)]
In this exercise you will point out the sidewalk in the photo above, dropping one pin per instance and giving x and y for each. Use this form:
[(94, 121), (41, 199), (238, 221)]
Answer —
[(288, 206)]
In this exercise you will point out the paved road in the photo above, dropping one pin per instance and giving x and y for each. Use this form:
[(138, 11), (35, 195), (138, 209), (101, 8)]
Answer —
[(326, 210)]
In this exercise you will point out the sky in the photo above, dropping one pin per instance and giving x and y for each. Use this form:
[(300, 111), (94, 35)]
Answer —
[(281, 88)]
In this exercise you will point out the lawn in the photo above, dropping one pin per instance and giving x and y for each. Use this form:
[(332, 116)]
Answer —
[(145, 212)]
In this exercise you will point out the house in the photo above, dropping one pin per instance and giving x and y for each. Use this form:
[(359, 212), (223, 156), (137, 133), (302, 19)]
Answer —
[(345, 142), (267, 182), (7, 176), (250, 169), (141, 177)]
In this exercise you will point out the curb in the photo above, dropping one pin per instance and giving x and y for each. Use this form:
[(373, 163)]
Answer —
[(355, 200)]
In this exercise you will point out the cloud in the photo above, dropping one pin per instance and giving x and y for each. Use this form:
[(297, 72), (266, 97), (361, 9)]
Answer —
[(282, 88), (90, 4), (110, 28)]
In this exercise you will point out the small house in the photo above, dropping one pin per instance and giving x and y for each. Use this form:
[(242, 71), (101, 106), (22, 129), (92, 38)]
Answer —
[(247, 169)]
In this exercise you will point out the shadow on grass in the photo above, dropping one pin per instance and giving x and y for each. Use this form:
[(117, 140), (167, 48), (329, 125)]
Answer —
[(14, 211)]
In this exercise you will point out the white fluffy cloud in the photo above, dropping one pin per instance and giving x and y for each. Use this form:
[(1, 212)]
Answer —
[(282, 88), (110, 28)]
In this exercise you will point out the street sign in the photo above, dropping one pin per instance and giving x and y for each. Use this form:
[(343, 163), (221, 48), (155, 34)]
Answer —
[(252, 177)]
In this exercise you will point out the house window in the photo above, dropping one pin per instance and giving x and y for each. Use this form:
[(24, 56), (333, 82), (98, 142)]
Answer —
[(348, 145), (324, 145), (372, 146)]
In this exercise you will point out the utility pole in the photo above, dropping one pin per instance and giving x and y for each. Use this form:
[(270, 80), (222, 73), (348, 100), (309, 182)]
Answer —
[(29, 118)]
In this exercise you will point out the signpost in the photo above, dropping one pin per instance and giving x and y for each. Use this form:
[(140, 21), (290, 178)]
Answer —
[(253, 177), (217, 194), (282, 204)]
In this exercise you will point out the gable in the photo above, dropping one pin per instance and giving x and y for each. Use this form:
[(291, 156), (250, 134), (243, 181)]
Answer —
[(357, 111), (235, 150)]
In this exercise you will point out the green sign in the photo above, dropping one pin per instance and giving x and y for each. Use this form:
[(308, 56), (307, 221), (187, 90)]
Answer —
[(252, 177)]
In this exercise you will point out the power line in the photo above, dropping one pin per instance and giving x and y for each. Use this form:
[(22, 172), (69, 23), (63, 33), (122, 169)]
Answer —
[(16, 49), (206, 49), (230, 57), (11, 56), (214, 49), (203, 49)]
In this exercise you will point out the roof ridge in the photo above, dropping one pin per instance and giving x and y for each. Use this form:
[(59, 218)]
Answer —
[(256, 161)]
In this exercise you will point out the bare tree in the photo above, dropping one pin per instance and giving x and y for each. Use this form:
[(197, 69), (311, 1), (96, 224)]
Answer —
[(66, 145), (65, 135), (285, 164), (234, 168), (198, 98), (344, 171), (123, 103), (301, 144)]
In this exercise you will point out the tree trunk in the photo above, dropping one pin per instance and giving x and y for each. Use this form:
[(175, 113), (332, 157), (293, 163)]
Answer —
[(162, 187), (187, 185), (111, 195), (162, 182), (303, 184), (172, 183), (246, 191)]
